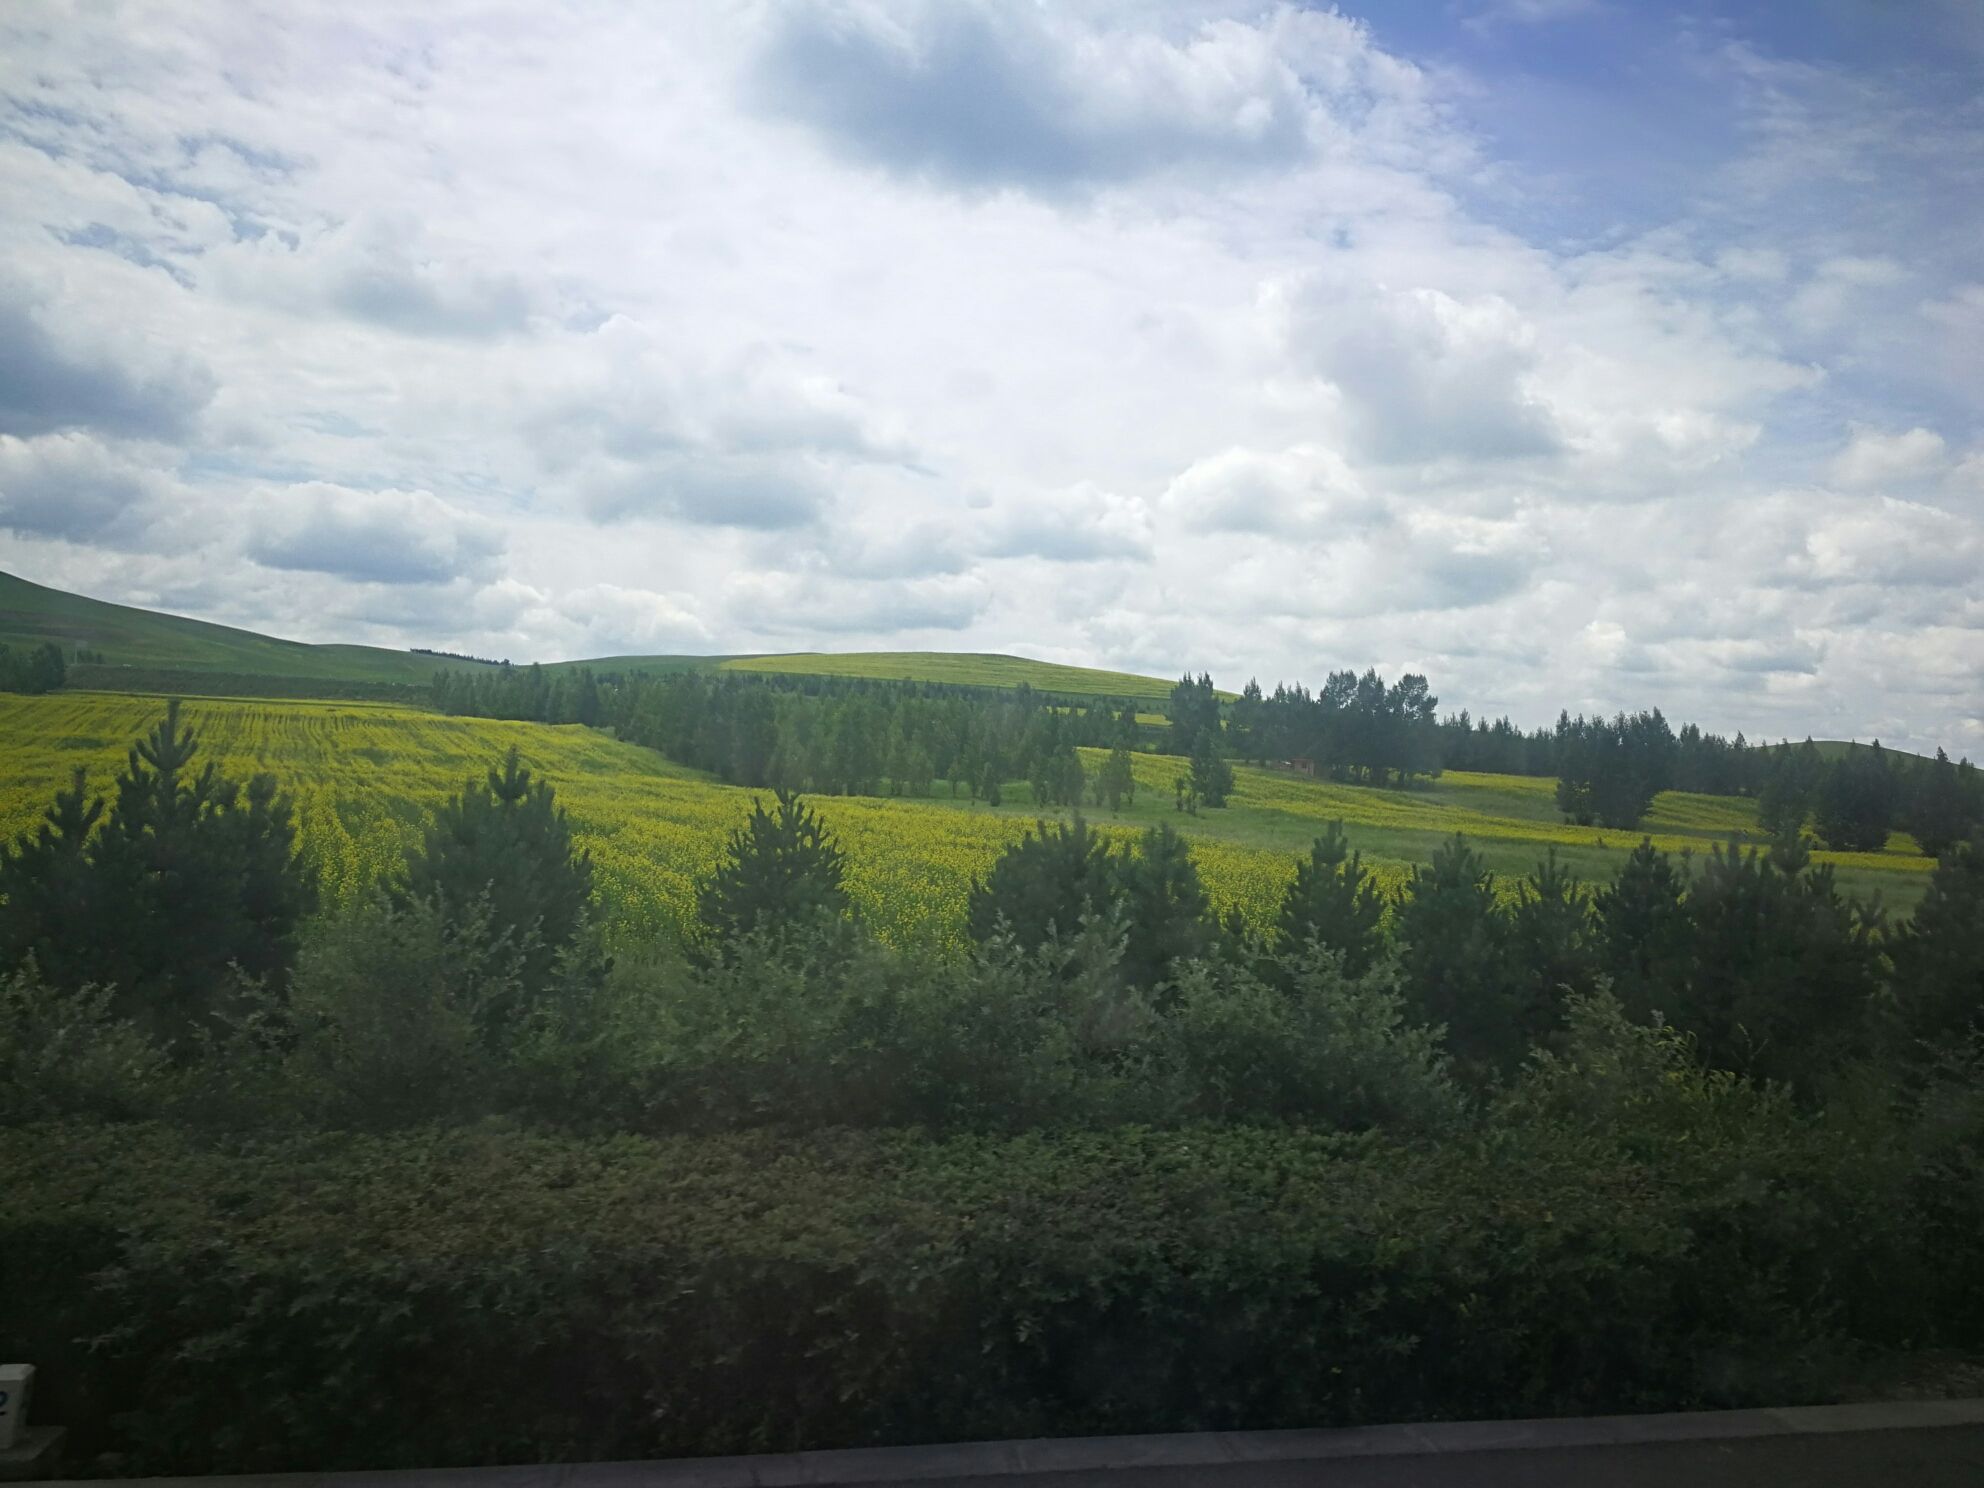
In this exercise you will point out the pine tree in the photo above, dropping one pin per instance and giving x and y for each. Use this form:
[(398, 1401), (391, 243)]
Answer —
[(1856, 799), (1169, 917), (48, 904), (1645, 932), (1783, 969), (1454, 950), (1212, 776), (1552, 946), (185, 882), (1116, 782), (500, 855), (1939, 956), (1334, 901), (1938, 815), (782, 874), (1044, 884)]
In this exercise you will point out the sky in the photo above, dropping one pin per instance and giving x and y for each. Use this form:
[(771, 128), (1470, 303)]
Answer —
[(1574, 353)]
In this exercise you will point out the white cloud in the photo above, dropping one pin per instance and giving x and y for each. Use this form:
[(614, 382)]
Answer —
[(76, 488), (1198, 334), (1874, 458), (384, 537)]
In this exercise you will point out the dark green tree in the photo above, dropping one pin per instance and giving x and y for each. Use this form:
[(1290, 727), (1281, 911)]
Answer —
[(1783, 968), (189, 881), (1791, 784), (1169, 917), (1044, 884), (1194, 712), (782, 874), (1938, 814), (500, 856), (1855, 808), (1939, 955), (1212, 776), (1454, 951), (41, 670), (1246, 730), (48, 898), (1116, 782), (1334, 901), (1610, 771), (1553, 946), (1645, 932)]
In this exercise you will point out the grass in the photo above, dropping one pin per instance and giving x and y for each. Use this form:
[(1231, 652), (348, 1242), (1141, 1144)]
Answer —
[(973, 669), (365, 776), (133, 638), (138, 642)]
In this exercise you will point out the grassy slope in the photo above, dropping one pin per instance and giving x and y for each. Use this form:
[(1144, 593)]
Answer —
[(130, 637), (366, 775), (977, 669), (31, 614)]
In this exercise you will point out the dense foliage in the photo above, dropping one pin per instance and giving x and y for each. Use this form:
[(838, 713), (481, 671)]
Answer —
[(191, 884), (456, 1187), (42, 669)]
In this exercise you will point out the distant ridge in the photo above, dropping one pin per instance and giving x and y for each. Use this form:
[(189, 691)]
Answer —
[(151, 651)]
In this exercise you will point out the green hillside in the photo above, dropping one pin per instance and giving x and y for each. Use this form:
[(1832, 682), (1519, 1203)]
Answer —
[(967, 668), (132, 639), (147, 651)]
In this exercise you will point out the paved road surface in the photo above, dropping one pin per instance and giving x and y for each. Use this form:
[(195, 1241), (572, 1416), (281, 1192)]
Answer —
[(1926, 1444)]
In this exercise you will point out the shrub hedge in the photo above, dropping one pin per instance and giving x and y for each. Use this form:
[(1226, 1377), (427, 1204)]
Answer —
[(477, 1294)]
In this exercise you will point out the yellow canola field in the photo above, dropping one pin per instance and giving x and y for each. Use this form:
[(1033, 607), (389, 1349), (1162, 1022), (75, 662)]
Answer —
[(365, 777)]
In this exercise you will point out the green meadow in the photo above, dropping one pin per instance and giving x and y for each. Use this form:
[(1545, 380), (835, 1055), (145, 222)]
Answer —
[(365, 777)]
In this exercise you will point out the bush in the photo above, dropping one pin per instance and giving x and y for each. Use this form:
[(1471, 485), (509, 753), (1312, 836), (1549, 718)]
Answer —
[(1317, 1045), (484, 1295), (67, 1053)]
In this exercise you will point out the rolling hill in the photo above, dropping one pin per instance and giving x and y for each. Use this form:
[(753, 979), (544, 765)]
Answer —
[(147, 651), (134, 640)]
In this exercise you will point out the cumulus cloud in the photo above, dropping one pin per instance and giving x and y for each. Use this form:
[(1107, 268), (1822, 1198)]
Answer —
[(1836, 284), (788, 608), (626, 621), (1873, 457), (47, 384), (383, 537), (1082, 524), (997, 95), (1152, 336), (1897, 543), (80, 490), (756, 441), (1302, 491), (377, 268), (1422, 374)]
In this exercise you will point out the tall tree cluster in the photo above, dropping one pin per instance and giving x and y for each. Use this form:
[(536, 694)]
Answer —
[(187, 881), (1854, 800), (1357, 727), (34, 671), (1609, 770)]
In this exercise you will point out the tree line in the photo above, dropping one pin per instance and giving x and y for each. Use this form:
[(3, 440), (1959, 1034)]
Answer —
[(854, 736), (35, 671)]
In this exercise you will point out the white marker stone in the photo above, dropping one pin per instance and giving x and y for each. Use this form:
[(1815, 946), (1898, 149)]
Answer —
[(15, 1382)]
